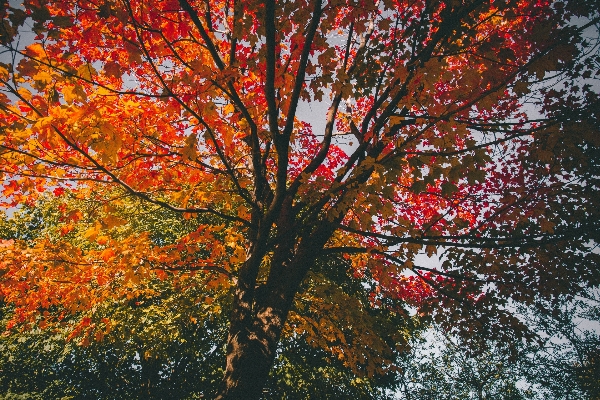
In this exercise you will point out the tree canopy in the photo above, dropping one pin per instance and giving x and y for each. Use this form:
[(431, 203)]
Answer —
[(466, 131)]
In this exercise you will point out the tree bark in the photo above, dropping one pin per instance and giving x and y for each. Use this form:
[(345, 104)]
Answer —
[(257, 322), (250, 354)]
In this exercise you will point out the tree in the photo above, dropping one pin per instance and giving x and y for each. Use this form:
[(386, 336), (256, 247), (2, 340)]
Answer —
[(443, 369), (142, 344), (565, 364), (559, 364), (167, 344), (427, 145)]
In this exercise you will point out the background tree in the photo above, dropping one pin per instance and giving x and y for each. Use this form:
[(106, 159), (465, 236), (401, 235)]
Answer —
[(557, 365), (565, 363), (427, 145), (168, 341)]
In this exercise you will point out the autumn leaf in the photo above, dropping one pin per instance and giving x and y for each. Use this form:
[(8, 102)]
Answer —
[(238, 146), (86, 71), (189, 150)]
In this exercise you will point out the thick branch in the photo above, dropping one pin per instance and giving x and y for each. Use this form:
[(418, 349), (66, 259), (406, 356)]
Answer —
[(185, 5), (301, 72), (272, 110), (468, 240)]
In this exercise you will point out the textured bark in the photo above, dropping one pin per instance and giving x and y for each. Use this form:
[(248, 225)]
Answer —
[(258, 318), (250, 354)]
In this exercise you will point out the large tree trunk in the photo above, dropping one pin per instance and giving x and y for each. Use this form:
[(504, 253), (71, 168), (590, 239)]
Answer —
[(257, 320), (260, 311), (250, 354)]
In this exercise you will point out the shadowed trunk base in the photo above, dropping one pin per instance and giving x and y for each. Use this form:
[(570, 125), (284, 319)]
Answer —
[(250, 355)]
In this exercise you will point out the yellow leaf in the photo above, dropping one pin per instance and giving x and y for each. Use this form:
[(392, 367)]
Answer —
[(111, 221), (227, 138), (92, 232), (189, 150), (86, 71), (36, 50), (3, 72), (43, 122), (42, 77), (107, 255), (72, 93), (26, 94), (229, 109), (395, 120), (103, 92)]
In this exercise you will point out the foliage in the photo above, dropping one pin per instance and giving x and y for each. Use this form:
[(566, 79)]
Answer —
[(565, 363), (463, 129), (155, 351), (559, 364), (141, 345), (441, 368), (169, 337)]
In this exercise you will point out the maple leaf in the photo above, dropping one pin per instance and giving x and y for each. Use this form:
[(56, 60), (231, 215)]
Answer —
[(193, 108)]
